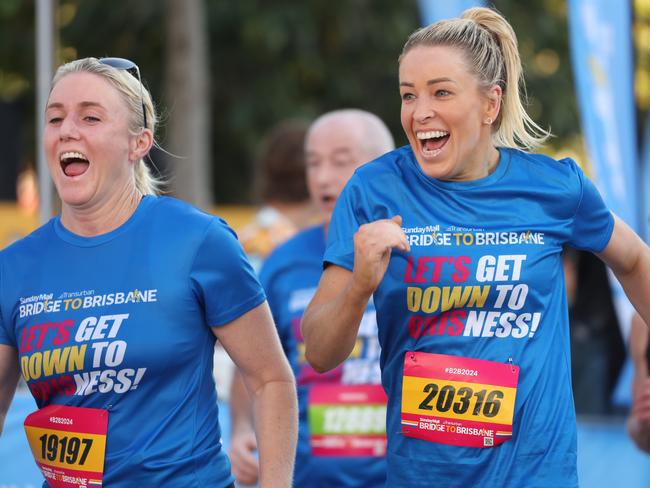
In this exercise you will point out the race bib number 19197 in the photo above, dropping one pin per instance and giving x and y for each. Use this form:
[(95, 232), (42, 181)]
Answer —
[(68, 444), (458, 401)]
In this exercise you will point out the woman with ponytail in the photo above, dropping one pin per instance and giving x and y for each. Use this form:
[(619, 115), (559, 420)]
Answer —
[(458, 239)]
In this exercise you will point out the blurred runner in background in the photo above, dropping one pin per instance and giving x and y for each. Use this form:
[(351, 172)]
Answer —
[(342, 439), (281, 189)]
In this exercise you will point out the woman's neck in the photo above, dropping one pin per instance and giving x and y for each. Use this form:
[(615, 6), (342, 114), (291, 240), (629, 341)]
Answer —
[(101, 218), (493, 160)]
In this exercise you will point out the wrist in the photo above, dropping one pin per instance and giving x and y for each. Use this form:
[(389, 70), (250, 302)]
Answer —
[(639, 432), (241, 427)]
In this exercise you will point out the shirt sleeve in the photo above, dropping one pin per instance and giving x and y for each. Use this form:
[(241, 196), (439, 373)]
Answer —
[(7, 334), (5, 337), (277, 299), (222, 277), (348, 215), (593, 223)]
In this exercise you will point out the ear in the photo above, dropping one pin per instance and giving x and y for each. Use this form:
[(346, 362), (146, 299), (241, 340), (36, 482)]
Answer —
[(141, 145), (493, 103)]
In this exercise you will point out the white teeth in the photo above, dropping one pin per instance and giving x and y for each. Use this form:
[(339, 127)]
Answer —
[(431, 154), (72, 155), (431, 134)]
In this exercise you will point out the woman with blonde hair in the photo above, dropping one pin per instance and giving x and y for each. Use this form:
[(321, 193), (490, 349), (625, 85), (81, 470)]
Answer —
[(111, 310), (458, 237)]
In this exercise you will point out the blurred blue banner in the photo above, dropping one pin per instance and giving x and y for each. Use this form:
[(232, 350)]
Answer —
[(601, 47), (645, 184), (434, 10)]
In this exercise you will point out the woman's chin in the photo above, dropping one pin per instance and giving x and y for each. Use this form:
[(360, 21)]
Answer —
[(74, 198), (433, 167)]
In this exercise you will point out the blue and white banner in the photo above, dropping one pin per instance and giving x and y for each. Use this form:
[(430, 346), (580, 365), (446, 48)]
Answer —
[(601, 48), (645, 184), (434, 10)]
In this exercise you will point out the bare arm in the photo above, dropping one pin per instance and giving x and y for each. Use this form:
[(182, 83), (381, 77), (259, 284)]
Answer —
[(253, 344), (243, 444), (9, 374), (639, 421), (629, 258), (331, 322)]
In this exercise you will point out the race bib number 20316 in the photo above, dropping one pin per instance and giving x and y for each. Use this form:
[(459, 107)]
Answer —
[(457, 400)]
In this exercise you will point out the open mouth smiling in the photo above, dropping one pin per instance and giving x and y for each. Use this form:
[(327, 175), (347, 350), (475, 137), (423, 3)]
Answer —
[(73, 163), (432, 142)]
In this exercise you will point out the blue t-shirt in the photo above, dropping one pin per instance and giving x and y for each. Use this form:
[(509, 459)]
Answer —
[(493, 247), (290, 276), (121, 322)]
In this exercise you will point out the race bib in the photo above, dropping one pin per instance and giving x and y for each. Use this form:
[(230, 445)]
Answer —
[(458, 401), (346, 420), (68, 444)]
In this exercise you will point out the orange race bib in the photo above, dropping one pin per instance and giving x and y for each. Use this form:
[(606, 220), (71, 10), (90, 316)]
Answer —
[(457, 400), (347, 420), (68, 444)]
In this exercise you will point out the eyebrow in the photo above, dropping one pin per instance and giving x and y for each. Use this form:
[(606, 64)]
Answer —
[(83, 104), (429, 82)]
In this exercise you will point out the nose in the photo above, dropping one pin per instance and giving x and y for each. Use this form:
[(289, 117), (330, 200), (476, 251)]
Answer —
[(68, 129), (423, 110), (325, 175)]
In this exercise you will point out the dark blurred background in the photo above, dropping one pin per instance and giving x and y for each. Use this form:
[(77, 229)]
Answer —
[(263, 61)]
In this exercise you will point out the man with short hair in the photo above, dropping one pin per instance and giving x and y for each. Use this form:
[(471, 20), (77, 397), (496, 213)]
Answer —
[(342, 440)]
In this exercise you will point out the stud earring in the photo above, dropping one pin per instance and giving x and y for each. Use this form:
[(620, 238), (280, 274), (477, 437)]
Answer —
[(489, 121)]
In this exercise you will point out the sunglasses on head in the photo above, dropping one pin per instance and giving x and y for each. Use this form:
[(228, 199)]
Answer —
[(131, 67)]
